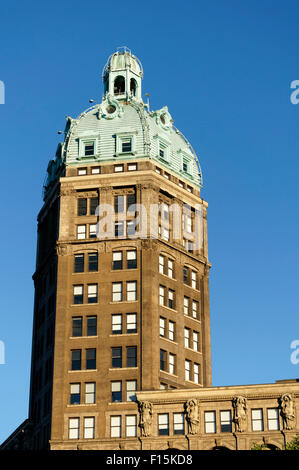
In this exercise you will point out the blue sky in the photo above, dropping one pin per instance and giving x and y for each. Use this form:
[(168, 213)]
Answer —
[(224, 70)]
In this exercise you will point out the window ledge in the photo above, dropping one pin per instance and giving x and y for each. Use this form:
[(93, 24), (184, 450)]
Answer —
[(83, 370), (117, 335), (122, 368), (83, 337)]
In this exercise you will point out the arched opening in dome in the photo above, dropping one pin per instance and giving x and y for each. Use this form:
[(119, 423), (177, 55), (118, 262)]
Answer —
[(133, 86), (119, 85)]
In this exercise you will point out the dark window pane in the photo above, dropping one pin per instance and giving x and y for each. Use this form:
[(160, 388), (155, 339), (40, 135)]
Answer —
[(77, 326), (226, 428), (162, 360), (116, 357), (75, 399), (126, 145), (89, 148), (92, 261), (185, 275), (90, 359), (131, 201), (79, 264), (78, 295), (132, 356), (94, 202), (119, 229), (91, 326), (76, 359), (82, 206), (119, 204)]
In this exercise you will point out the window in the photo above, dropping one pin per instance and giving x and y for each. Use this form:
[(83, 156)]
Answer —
[(161, 264), (76, 359), (187, 338), (162, 360), (92, 293), (96, 170), (131, 356), (131, 390), (132, 167), (91, 326), (171, 327), (82, 171), (75, 394), (131, 290), (88, 148), (119, 204), (162, 295), (90, 393), (273, 419), (115, 426), (131, 228), (126, 145), (187, 369), (178, 423), (131, 323), (91, 359), (77, 326), (116, 391), (171, 363), (162, 326), (185, 275), (194, 309), (171, 298), (118, 168), (194, 279), (170, 268), (78, 295), (119, 230), (196, 373), (226, 421), (195, 341), (79, 263), (82, 206), (117, 324), (88, 430), (81, 232), (92, 262), (117, 295), (94, 202), (74, 424), (93, 231), (163, 424), (186, 306), (117, 258), (257, 420), (116, 357), (131, 426), (210, 422), (132, 259)]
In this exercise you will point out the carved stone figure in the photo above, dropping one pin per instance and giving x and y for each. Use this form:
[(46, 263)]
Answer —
[(145, 417), (191, 409), (240, 413), (287, 411)]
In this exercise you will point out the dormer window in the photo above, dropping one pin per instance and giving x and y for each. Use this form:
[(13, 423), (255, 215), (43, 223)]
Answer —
[(89, 148), (126, 145)]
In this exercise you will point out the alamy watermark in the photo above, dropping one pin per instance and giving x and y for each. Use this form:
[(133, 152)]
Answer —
[(2, 92), (294, 98), (295, 354), (2, 353)]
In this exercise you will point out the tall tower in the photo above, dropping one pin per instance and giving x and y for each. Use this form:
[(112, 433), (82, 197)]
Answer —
[(122, 272)]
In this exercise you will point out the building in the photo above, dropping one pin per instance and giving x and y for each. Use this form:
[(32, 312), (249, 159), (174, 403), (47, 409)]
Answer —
[(121, 353)]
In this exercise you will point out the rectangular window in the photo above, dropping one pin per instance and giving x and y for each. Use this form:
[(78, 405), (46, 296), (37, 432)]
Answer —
[(171, 363), (161, 264), (131, 202), (117, 295), (91, 359), (131, 390), (75, 394), (170, 268), (257, 420), (195, 341), (82, 171), (131, 323), (131, 228), (131, 426), (92, 326), (196, 373), (185, 275), (76, 359), (117, 258), (273, 419), (131, 356), (90, 393), (131, 290), (226, 421), (81, 232), (119, 229), (116, 391), (187, 370), (117, 324), (194, 309), (116, 357), (119, 204), (178, 423), (132, 259), (92, 262), (78, 295), (162, 326), (163, 424), (171, 331), (92, 293), (118, 168), (79, 263), (96, 170), (171, 298), (94, 202), (186, 306), (187, 337), (82, 206), (126, 145), (93, 231), (74, 424), (115, 426), (185, 166), (88, 430), (132, 166), (77, 326), (162, 295), (210, 422), (194, 279), (162, 360), (89, 148)]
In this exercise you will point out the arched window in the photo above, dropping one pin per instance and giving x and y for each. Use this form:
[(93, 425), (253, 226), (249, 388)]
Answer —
[(119, 85), (133, 86)]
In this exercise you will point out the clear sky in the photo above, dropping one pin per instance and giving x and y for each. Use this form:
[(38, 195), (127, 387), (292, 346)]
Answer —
[(223, 68)]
